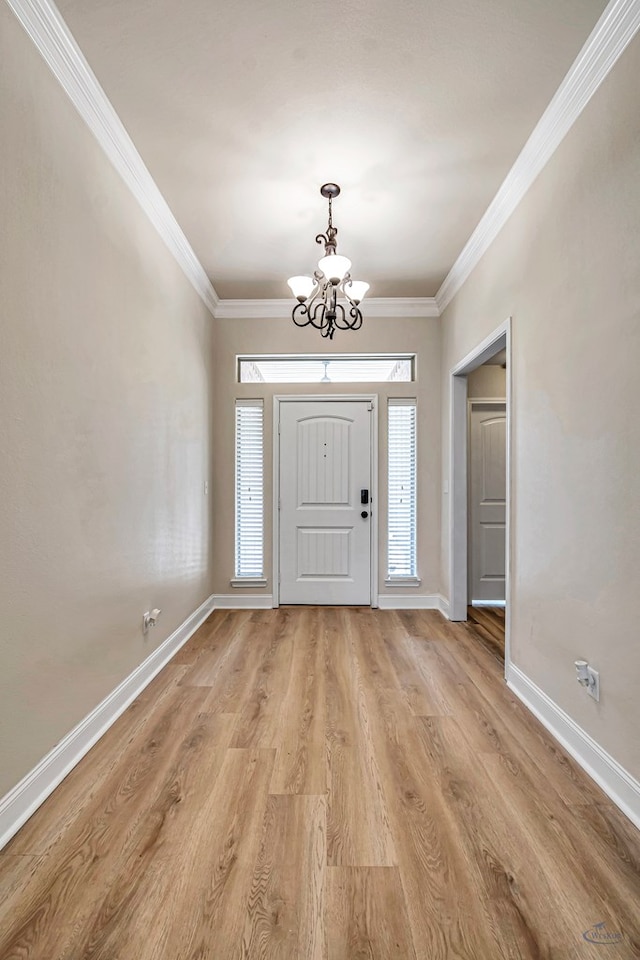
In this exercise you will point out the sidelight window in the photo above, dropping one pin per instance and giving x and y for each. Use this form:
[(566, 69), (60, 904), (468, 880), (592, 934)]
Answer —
[(249, 489), (401, 506)]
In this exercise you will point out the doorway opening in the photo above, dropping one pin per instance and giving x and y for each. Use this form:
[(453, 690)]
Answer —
[(480, 487)]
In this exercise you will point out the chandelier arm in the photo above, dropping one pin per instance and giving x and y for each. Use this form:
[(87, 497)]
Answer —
[(342, 322), (304, 310), (356, 313), (321, 316), (298, 314), (315, 293), (302, 316)]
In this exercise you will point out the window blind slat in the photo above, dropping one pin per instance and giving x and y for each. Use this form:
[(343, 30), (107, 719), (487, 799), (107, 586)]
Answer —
[(402, 531), (249, 489)]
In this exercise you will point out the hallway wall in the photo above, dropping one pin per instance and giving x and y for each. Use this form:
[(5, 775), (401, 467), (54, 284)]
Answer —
[(105, 380), (487, 381), (565, 267), (378, 335)]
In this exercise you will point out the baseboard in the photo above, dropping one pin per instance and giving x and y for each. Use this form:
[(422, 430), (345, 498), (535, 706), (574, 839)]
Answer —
[(24, 799), (411, 601), (616, 782), (488, 603), (443, 606), (243, 601)]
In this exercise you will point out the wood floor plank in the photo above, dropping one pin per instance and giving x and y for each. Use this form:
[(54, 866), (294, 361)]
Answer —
[(511, 881), (79, 868), (432, 865), (16, 873), (424, 624), (233, 672), (285, 915), (260, 713), (83, 790), (614, 864), (208, 889), (366, 915), (324, 784), (489, 626), (396, 640), (358, 831), (210, 654), (528, 738), (301, 757), (155, 847), (582, 880)]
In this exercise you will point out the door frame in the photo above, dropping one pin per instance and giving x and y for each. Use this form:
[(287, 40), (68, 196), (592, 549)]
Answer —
[(499, 340), (371, 398), (471, 403)]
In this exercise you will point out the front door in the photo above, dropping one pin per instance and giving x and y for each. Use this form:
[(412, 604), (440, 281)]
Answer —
[(487, 496), (324, 501)]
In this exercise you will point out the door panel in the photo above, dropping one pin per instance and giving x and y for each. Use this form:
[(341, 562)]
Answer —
[(487, 506), (323, 552), (325, 461)]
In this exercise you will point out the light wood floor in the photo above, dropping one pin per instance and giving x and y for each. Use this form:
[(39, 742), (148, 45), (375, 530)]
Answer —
[(324, 784), (488, 623)]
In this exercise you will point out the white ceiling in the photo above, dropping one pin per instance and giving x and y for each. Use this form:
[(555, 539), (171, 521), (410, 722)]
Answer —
[(418, 109)]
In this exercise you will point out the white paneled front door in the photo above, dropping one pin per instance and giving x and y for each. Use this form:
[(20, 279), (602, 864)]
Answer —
[(487, 495), (325, 528)]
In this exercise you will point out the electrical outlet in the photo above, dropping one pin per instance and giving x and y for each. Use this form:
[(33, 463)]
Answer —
[(594, 683), (149, 619)]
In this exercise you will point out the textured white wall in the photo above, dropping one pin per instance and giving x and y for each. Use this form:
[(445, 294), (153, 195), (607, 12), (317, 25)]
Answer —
[(105, 380), (487, 381), (377, 335), (565, 267)]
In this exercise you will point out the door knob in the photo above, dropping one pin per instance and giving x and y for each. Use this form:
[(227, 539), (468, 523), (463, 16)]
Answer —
[(364, 514)]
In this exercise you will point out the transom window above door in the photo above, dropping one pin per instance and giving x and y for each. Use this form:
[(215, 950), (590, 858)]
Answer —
[(332, 368)]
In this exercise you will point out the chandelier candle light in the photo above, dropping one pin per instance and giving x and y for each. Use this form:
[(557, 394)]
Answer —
[(318, 295)]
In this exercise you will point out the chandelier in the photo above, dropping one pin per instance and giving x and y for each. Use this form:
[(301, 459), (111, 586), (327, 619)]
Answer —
[(317, 296)]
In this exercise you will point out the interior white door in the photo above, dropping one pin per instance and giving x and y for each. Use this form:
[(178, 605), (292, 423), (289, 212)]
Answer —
[(487, 506), (325, 528)]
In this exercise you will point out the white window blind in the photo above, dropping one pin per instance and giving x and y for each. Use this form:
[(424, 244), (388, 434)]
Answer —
[(249, 488), (327, 368), (402, 489)]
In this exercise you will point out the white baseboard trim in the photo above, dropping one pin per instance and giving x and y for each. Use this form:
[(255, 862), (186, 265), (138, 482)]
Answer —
[(616, 782), (444, 606), (243, 601), (410, 601), (489, 603), (24, 799)]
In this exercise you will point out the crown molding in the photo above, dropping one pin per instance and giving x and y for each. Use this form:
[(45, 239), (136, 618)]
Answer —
[(395, 307), (48, 31), (43, 23), (614, 30)]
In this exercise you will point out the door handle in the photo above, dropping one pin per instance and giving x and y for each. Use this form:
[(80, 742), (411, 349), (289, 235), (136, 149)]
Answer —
[(364, 514)]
